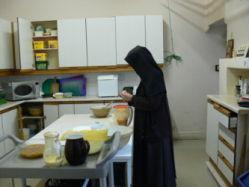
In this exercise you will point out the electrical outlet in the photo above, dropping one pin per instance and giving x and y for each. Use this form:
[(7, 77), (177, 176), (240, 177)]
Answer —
[(217, 67)]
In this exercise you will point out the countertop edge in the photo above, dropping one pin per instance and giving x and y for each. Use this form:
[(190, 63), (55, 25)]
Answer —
[(10, 104), (229, 102)]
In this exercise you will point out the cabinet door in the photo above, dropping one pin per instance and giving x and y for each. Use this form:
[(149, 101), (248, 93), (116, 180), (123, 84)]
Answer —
[(51, 113), (85, 108), (154, 36), (130, 32), (72, 43), (6, 47), (101, 44), (66, 109), (10, 126), (212, 133), (16, 46), (2, 148), (25, 44)]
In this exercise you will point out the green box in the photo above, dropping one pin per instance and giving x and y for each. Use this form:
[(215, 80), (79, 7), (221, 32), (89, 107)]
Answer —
[(41, 65)]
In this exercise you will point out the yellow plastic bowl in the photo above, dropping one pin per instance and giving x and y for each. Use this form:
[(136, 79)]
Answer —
[(35, 111), (95, 146)]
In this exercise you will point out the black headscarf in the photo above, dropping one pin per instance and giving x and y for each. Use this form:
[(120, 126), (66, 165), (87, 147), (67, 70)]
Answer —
[(142, 61)]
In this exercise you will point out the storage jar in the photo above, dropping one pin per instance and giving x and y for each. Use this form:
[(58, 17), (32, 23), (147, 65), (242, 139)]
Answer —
[(41, 56), (52, 44), (39, 44)]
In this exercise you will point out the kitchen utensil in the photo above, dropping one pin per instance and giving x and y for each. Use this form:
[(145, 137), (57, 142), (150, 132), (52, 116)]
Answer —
[(126, 132), (46, 86), (108, 104), (54, 88), (76, 148), (128, 89), (100, 111), (53, 154), (35, 110), (122, 113)]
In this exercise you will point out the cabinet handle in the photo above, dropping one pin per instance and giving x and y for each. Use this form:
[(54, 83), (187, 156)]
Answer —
[(226, 162), (222, 110), (226, 143)]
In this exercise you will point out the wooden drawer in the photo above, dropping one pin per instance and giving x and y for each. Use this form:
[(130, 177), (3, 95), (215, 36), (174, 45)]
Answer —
[(225, 170), (225, 117), (228, 135), (226, 150)]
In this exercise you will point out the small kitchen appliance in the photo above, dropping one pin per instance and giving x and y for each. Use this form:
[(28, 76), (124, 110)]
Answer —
[(21, 90), (108, 85)]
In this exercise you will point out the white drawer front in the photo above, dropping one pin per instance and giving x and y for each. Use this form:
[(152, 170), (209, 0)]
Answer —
[(228, 135), (222, 119), (225, 170), (226, 152)]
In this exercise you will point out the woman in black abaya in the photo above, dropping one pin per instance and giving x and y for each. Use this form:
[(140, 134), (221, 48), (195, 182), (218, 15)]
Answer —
[(153, 155)]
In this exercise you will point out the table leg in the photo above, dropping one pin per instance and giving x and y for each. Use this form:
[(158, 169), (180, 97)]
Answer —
[(128, 173), (85, 182), (111, 176), (23, 182), (102, 182)]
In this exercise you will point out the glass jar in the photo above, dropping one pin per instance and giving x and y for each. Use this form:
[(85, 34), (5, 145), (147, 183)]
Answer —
[(53, 154)]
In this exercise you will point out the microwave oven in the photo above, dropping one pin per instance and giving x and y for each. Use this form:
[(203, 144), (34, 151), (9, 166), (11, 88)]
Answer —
[(21, 90)]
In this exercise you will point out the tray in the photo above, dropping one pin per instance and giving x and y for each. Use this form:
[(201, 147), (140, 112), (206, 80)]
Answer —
[(12, 165), (75, 85)]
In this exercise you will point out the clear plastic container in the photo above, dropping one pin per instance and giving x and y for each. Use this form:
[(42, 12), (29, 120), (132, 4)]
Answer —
[(53, 154)]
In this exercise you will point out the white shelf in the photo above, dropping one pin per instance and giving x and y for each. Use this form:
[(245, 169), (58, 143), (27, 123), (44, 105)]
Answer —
[(32, 117), (44, 37), (45, 49)]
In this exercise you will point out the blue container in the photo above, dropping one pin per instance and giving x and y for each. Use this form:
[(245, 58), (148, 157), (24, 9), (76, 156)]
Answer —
[(75, 85), (243, 179)]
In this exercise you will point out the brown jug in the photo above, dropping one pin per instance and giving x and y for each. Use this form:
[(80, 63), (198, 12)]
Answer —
[(76, 148)]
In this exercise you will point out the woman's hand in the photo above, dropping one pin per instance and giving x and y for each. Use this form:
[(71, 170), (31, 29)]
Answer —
[(126, 96)]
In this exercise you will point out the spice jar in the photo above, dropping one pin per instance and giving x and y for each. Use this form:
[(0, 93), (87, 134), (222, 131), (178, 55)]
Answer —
[(52, 154)]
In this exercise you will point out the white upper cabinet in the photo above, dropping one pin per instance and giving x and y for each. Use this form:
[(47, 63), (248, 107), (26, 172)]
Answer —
[(6, 45), (130, 32), (154, 36), (72, 43), (25, 44), (101, 43)]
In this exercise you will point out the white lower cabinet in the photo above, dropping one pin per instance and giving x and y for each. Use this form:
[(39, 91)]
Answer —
[(221, 141), (66, 109), (212, 133), (84, 108), (8, 125), (51, 113)]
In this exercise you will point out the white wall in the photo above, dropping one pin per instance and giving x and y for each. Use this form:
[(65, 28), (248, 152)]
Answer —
[(188, 82), (1, 8), (237, 20)]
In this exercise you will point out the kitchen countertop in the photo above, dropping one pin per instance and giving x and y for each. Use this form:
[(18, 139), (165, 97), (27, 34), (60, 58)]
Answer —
[(75, 98), (10, 104), (229, 102)]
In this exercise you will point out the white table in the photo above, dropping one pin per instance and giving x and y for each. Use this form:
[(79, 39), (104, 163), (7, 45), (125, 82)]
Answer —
[(68, 122)]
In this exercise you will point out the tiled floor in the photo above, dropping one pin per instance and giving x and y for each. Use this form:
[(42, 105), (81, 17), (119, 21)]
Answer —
[(191, 169)]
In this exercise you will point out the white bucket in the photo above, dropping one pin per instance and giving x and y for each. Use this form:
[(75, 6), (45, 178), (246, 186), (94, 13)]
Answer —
[(26, 133)]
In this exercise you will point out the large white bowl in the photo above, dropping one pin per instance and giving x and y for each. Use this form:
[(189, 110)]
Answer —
[(126, 133)]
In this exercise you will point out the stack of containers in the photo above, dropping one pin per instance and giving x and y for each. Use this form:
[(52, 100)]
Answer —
[(41, 58)]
